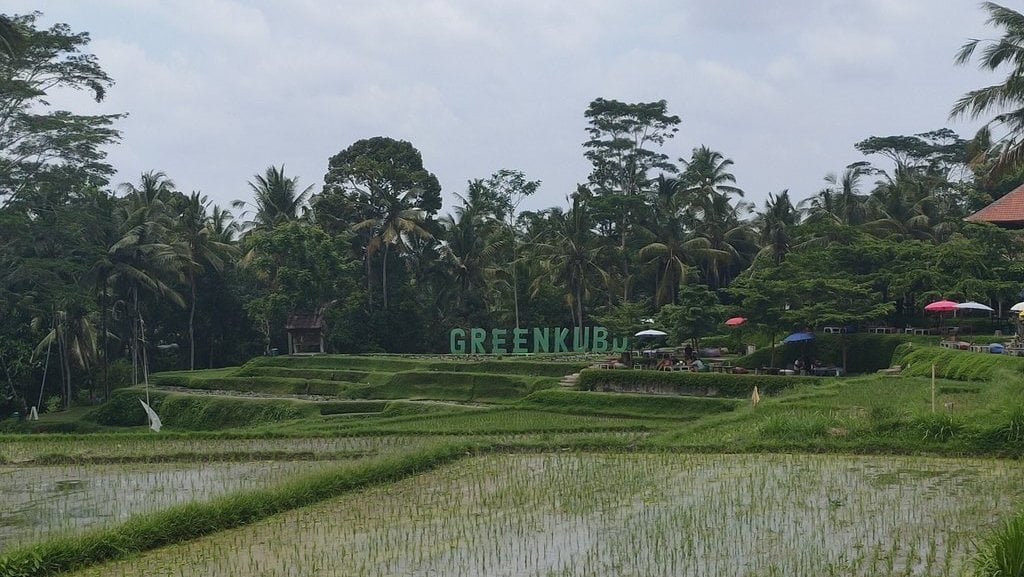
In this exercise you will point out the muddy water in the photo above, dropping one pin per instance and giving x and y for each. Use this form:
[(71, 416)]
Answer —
[(36, 502)]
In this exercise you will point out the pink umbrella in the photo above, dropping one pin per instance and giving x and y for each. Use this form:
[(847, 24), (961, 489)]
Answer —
[(735, 321), (941, 306)]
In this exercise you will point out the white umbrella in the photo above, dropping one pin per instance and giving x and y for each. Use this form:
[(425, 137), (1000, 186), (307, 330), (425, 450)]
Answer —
[(651, 333), (1018, 307), (975, 306)]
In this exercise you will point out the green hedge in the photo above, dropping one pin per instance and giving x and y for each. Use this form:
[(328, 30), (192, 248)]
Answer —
[(526, 368), (348, 376), (687, 383), (625, 404), (279, 385), (955, 365), (348, 407), (336, 362), (460, 386), (197, 412), (865, 353), (351, 363)]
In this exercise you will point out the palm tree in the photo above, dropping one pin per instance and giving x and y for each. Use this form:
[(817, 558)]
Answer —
[(841, 202), (903, 207), (203, 248), (142, 260), (223, 226), (466, 254), (74, 333), (709, 185), (395, 219), (671, 247), (570, 257), (1005, 99), (775, 223), (154, 190), (277, 199), (707, 173)]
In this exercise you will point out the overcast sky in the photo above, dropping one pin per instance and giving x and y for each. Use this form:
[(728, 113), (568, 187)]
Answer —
[(217, 90)]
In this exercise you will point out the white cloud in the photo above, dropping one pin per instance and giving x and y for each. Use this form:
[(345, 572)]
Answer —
[(220, 89)]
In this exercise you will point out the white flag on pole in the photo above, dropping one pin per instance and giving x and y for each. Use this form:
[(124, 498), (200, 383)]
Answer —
[(154, 420)]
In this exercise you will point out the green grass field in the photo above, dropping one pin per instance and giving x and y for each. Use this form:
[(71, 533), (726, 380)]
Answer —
[(540, 457)]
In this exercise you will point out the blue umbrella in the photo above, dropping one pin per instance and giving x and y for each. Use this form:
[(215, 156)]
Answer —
[(798, 338)]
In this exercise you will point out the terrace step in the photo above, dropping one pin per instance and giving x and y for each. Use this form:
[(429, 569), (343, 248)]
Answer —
[(570, 381)]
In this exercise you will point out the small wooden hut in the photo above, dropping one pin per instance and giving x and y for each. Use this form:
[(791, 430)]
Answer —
[(305, 333)]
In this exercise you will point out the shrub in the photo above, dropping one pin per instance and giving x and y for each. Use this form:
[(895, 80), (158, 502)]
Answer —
[(348, 407), (197, 412), (1002, 552), (937, 427), (865, 353), (917, 361), (795, 426), (687, 383), (123, 408)]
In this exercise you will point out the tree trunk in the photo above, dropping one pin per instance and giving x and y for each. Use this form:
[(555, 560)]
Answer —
[(103, 338), (515, 285), (384, 276), (369, 280), (192, 321)]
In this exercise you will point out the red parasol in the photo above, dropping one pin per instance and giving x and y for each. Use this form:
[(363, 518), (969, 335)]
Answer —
[(941, 306)]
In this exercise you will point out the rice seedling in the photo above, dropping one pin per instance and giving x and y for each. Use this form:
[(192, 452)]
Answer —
[(39, 502), (627, 514)]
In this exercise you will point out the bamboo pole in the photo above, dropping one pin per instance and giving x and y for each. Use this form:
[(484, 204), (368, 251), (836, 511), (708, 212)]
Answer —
[(933, 389)]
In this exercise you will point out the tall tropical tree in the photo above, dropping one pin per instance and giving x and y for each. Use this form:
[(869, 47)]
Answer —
[(570, 258), (276, 199), (624, 149), (72, 332), (11, 38), (378, 189), (1005, 100), (672, 247), (143, 262), (201, 244), (467, 257), (775, 225), (841, 202), (706, 174), (34, 137)]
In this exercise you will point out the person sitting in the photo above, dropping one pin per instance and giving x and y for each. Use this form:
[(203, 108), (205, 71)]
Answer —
[(798, 366), (664, 365), (697, 365)]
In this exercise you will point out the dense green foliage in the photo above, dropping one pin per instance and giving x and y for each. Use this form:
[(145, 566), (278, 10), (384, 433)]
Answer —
[(688, 383), (591, 403), (957, 365), (197, 412), (865, 353)]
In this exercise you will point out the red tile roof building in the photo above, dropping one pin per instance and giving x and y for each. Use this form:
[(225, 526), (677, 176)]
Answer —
[(1007, 211)]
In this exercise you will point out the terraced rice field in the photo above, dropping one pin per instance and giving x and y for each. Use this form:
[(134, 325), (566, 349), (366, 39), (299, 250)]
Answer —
[(571, 514)]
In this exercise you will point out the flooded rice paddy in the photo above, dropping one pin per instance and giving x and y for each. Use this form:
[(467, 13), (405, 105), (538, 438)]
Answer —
[(39, 502), (618, 515)]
